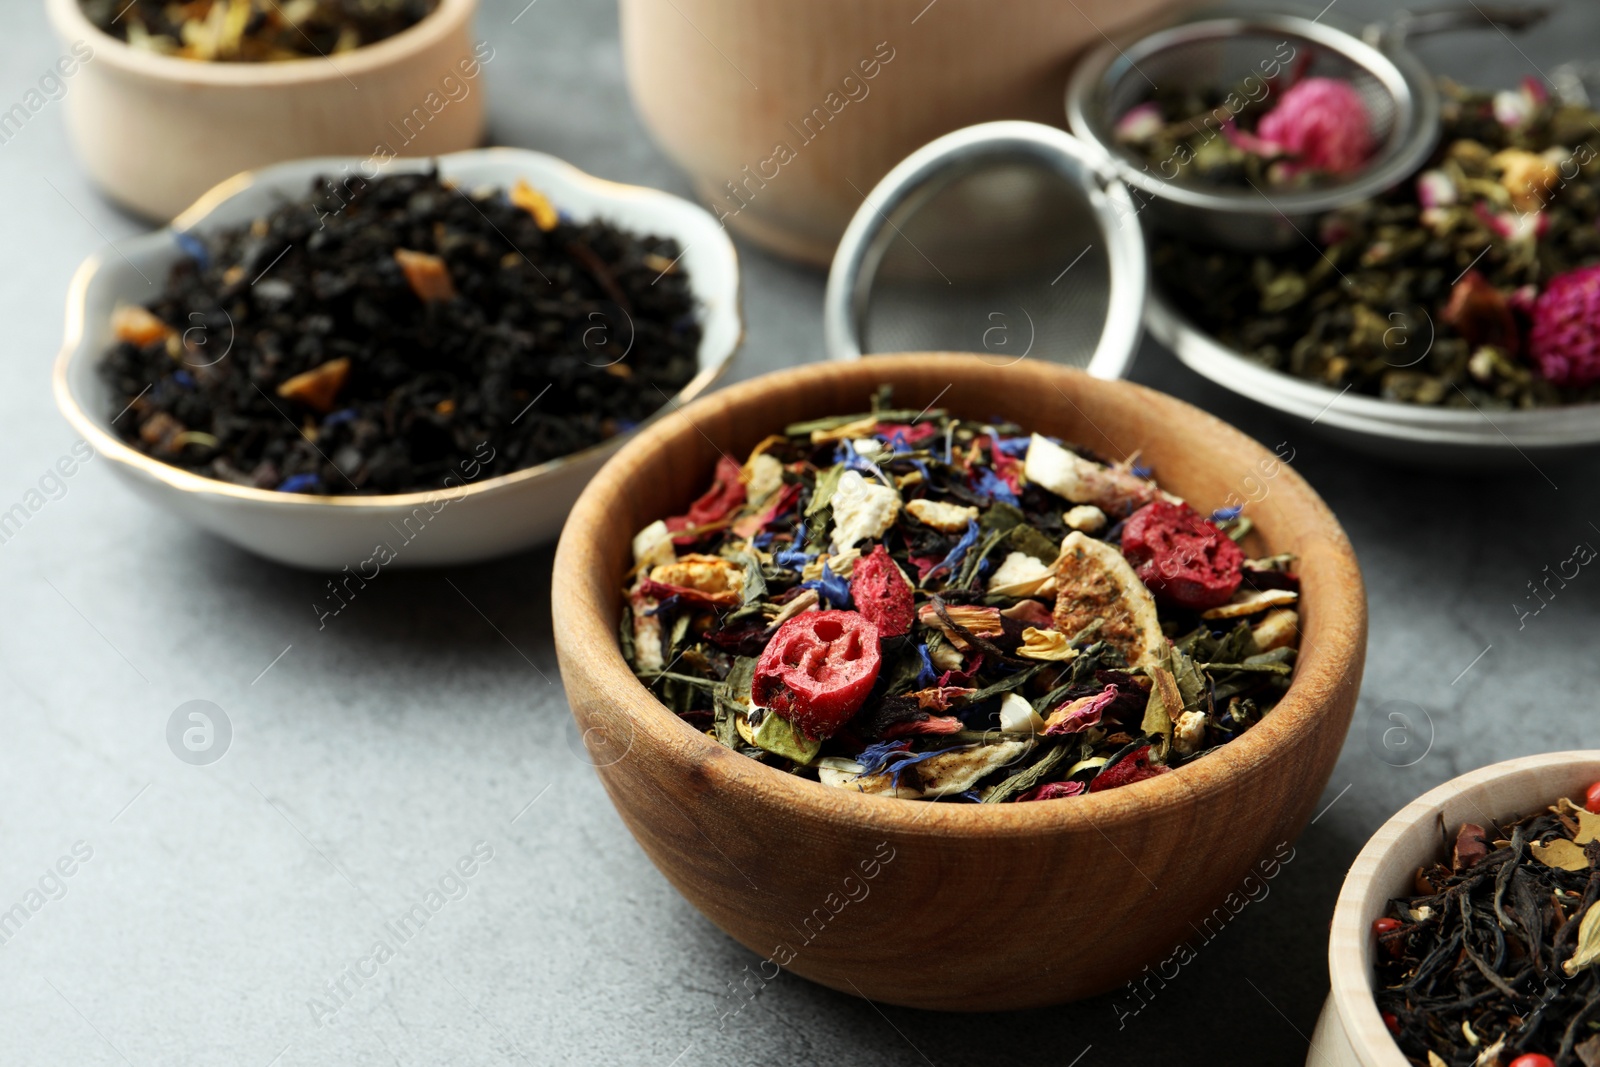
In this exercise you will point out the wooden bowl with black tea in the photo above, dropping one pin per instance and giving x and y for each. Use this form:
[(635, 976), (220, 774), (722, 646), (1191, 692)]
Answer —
[(955, 906)]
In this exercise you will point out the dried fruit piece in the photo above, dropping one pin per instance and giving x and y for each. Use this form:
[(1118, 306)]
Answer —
[(707, 579), (427, 275), (882, 593), (136, 325), (317, 388), (1479, 312), (536, 204), (818, 669), (1096, 584), (1081, 481), (950, 518), (861, 510), (1182, 556)]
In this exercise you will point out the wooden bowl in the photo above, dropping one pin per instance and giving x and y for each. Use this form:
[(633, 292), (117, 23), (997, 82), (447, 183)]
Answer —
[(786, 115), (156, 131), (1350, 1031), (955, 906)]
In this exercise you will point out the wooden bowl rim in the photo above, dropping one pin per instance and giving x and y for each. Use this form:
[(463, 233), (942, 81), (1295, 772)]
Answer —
[(1349, 933), (575, 597)]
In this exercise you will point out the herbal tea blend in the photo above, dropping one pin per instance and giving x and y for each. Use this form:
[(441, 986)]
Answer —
[(376, 335), (1477, 284), (1267, 133), (1493, 961), (254, 30), (920, 606)]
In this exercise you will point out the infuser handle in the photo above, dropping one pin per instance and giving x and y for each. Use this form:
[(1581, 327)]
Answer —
[(932, 167), (1406, 23)]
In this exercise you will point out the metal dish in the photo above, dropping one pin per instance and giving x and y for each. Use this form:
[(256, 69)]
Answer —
[(1411, 433), (472, 522)]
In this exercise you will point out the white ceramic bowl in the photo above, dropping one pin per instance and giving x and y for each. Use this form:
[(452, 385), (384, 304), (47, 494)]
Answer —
[(155, 132), (478, 521), (1350, 1032)]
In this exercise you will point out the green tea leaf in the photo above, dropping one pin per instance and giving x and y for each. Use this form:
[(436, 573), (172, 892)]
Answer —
[(1001, 517), (1007, 684), (1036, 775), (1031, 542)]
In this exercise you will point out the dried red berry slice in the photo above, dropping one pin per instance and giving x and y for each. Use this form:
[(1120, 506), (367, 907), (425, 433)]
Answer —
[(882, 594), (1181, 556), (818, 670)]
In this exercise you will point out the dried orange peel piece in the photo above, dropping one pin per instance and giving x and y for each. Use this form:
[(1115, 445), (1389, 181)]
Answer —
[(317, 388), (427, 275)]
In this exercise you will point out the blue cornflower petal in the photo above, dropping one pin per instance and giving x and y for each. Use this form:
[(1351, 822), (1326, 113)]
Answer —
[(1139, 470), (927, 676), (193, 247), (927, 475), (994, 487), (832, 588), (763, 539), (909, 760), (341, 416), (794, 558), (1227, 514), (1012, 446), (297, 483), (183, 378), (953, 560), (874, 758)]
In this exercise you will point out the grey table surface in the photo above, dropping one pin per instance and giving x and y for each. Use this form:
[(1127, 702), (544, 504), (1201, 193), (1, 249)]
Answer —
[(217, 904)]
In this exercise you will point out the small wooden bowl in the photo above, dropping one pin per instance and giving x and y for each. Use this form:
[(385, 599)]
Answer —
[(155, 131), (1350, 1032), (955, 906)]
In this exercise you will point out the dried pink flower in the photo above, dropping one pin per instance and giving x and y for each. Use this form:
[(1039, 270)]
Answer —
[(1565, 342), (1323, 123), (1139, 123), (1054, 791), (1435, 189)]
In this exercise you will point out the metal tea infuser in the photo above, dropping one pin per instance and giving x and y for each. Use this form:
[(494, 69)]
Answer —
[(1223, 51)]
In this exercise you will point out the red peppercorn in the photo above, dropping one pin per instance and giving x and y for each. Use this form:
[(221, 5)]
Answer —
[(1392, 1021), (1533, 1059), (1591, 799), (1383, 926)]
